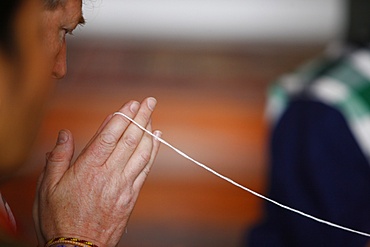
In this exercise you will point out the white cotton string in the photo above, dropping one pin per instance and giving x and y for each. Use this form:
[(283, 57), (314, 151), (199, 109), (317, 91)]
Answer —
[(240, 186)]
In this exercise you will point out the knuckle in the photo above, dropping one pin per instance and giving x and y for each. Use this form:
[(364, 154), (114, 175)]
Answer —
[(108, 140), (146, 171), (130, 141), (145, 157), (56, 157), (129, 199), (103, 146)]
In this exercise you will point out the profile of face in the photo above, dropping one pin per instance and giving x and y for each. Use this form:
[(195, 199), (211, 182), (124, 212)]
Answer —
[(26, 82), (57, 23)]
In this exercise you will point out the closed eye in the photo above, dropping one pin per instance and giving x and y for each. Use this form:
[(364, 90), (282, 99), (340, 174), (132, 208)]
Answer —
[(68, 31)]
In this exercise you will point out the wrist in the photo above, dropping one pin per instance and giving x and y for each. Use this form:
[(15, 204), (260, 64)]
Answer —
[(63, 245), (68, 242)]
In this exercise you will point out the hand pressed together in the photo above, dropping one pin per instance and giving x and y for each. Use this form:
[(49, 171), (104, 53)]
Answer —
[(93, 198)]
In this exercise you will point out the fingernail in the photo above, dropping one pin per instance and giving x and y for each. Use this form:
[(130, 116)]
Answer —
[(151, 103), (62, 137), (134, 107), (157, 134)]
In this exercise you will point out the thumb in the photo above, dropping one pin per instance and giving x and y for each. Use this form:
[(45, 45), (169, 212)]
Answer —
[(59, 159)]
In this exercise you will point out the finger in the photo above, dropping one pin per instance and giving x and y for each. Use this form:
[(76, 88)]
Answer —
[(101, 127), (146, 170), (58, 160), (105, 141), (132, 137), (140, 158)]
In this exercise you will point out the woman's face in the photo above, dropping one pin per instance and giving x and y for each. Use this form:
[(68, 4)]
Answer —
[(24, 87)]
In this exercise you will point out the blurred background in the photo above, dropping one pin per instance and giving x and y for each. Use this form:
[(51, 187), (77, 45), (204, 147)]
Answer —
[(209, 64)]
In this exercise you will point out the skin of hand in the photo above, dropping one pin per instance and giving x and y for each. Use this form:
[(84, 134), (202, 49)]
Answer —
[(92, 199)]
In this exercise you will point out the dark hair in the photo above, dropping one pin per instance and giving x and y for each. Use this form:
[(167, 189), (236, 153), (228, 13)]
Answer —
[(8, 12)]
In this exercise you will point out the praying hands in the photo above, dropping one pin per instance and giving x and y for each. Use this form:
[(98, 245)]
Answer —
[(92, 198)]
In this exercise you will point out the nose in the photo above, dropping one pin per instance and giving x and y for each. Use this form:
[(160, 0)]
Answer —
[(60, 65)]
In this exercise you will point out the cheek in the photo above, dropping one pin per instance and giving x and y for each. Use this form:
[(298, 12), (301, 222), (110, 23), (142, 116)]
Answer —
[(35, 79)]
